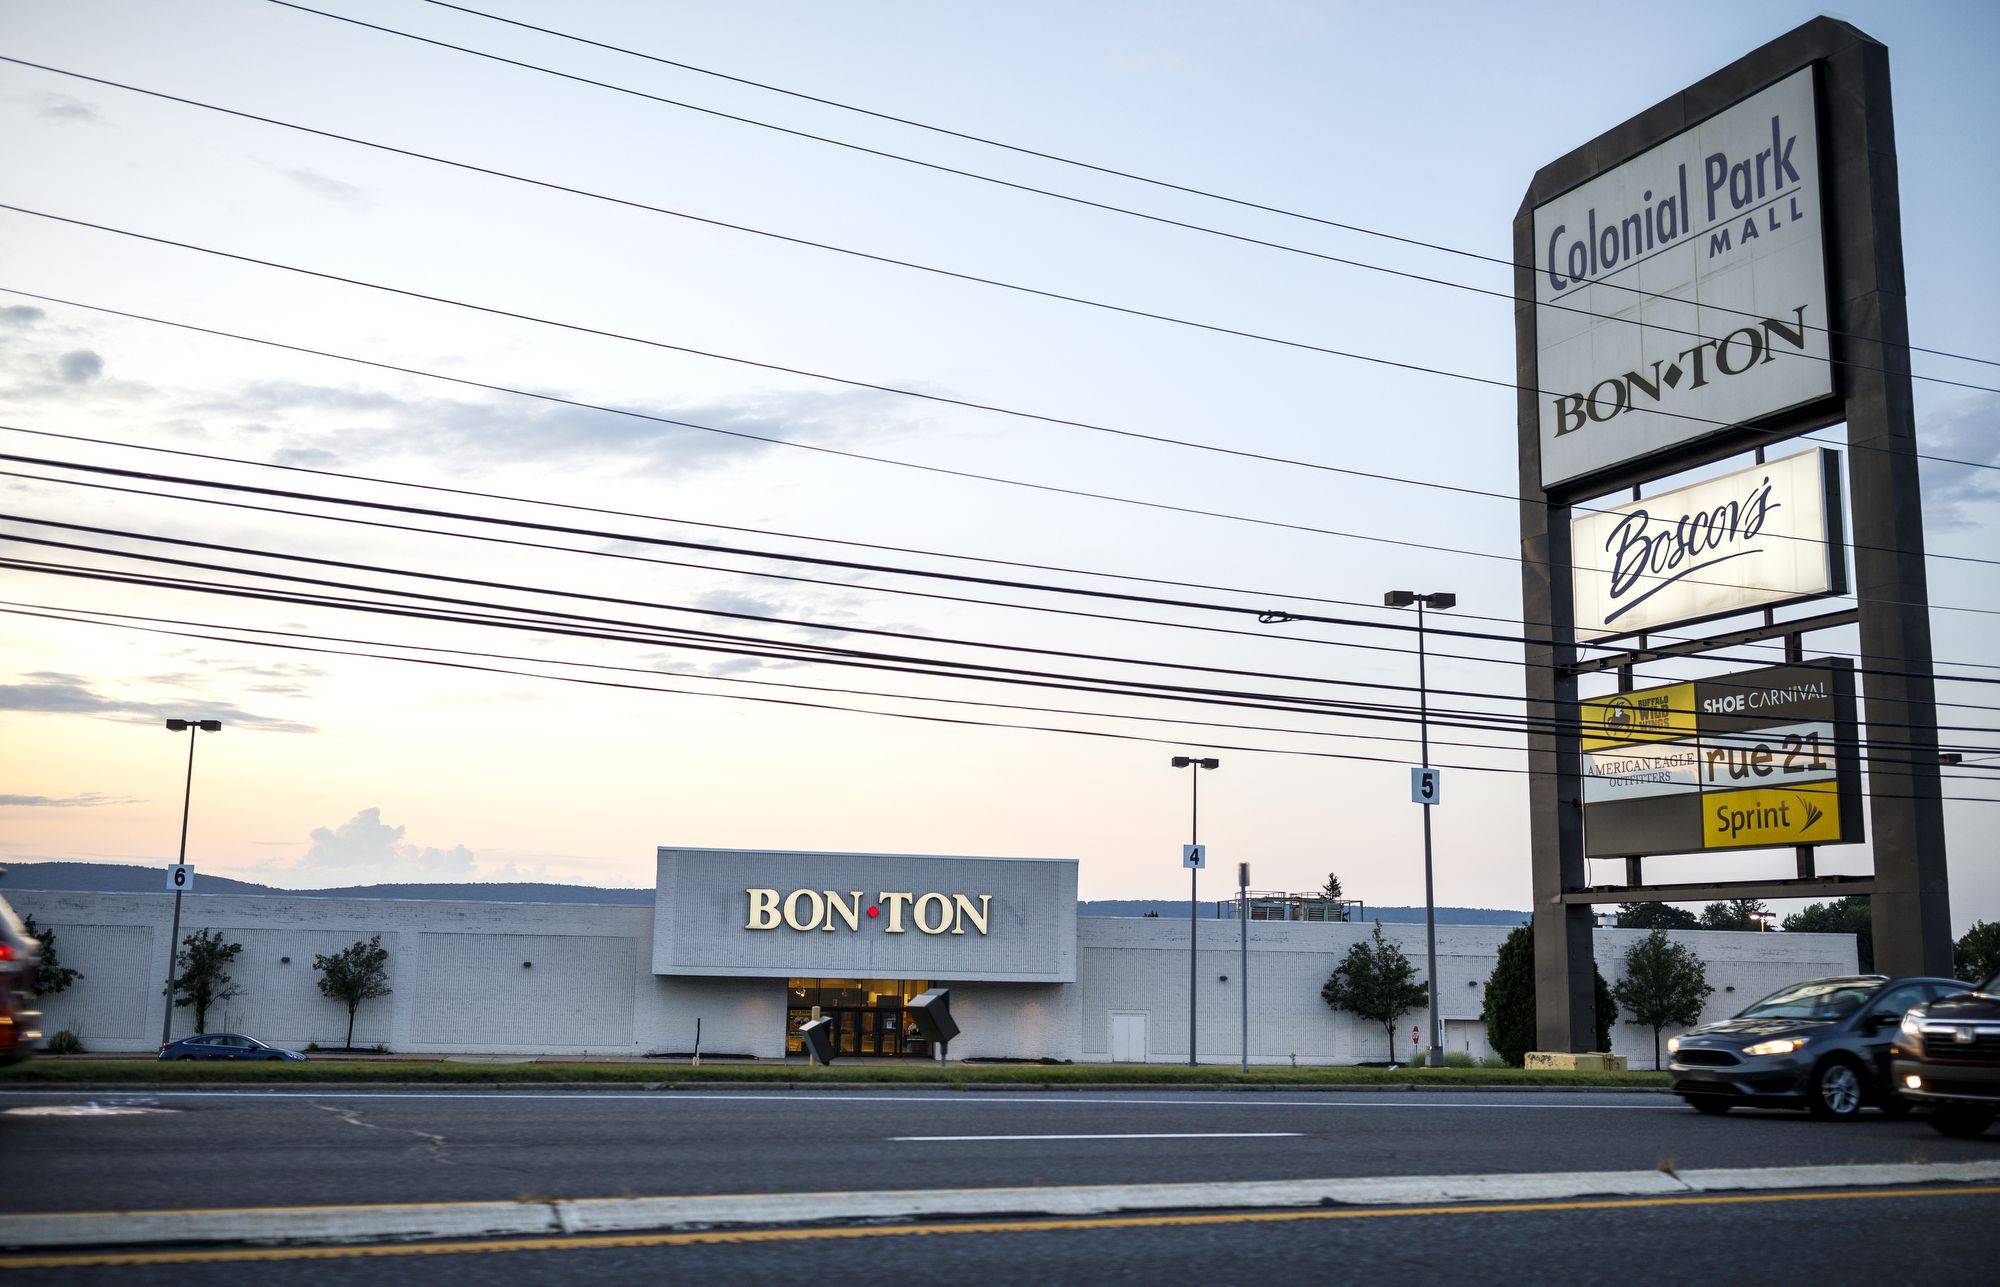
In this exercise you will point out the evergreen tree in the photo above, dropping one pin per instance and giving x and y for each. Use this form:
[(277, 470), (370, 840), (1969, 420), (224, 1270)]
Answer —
[(51, 976), (1977, 953), (1850, 915), (1376, 982), (1656, 916), (1331, 890), (353, 975), (203, 978), (1664, 984), (1509, 1005), (1736, 914)]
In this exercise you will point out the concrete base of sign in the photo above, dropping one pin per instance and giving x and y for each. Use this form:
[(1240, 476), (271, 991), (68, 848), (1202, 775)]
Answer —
[(1596, 1061)]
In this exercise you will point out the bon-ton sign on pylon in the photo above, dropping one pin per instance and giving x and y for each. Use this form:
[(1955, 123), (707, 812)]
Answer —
[(1750, 760)]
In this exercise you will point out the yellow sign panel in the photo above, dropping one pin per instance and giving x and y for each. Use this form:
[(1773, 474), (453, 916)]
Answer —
[(1797, 815), (1649, 715)]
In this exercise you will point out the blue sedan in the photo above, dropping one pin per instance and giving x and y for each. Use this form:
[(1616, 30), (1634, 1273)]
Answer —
[(225, 1045)]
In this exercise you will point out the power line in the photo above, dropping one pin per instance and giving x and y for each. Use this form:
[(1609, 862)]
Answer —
[(482, 612), (848, 564), (128, 619), (935, 469), (609, 512), (1022, 187), (515, 177)]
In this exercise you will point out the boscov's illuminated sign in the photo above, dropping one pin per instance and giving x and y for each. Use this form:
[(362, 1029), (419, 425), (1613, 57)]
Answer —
[(1684, 291), (1761, 536)]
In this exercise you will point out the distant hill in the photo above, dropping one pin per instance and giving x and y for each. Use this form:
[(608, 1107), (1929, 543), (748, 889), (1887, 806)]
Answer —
[(1168, 908), (125, 878), (122, 878)]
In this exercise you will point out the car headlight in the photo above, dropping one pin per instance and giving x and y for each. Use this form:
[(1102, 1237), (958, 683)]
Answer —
[(1673, 1045), (1777, 1046), (1913, 1024)]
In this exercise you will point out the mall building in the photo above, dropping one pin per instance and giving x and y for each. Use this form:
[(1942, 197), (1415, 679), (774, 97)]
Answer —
[(741, 946)]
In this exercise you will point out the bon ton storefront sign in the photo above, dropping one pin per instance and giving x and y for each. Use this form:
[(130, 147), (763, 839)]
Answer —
[(1750, 760), (774, 914)]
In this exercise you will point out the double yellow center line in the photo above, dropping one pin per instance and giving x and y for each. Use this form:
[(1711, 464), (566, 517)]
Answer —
[(739, 1237)]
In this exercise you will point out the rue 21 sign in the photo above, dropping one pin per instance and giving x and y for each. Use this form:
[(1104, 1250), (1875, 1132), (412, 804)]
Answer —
[(1751, 760)]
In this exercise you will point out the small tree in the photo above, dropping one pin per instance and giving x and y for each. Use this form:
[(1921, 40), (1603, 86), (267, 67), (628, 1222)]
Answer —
[(1977, 952), (353, 975), (51, 976), (1656, 916), (203, 978), (1377, 982), (1664, 984), (1509, 1004), (1851, 915), (1736, 914), (1331, 890)]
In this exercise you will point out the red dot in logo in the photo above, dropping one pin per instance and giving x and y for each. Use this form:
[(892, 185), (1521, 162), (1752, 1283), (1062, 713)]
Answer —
[(874, 911)]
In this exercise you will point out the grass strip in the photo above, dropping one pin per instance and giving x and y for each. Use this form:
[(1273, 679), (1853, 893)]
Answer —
[(58, 1071)]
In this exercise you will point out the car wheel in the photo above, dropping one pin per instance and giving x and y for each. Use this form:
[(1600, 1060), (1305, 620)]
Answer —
[(181, 1059), (1836, 1090), (1961, 1122), (1713, 1105)]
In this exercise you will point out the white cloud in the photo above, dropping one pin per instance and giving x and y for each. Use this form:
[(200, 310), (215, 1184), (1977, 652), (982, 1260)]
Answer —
[(367, 850)]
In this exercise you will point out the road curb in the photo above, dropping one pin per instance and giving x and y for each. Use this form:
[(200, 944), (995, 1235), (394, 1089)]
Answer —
[(981, 1087), (626, 1215)]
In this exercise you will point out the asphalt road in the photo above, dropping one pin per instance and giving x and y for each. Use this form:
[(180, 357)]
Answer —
[(70, 1151)]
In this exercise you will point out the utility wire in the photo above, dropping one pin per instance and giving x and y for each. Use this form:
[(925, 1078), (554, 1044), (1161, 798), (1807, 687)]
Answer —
[(1022, 187), (894, 549), (936, 469), (485, 611), (515, 177)]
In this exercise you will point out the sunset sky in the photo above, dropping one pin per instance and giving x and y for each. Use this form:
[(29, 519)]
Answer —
[(1206, 427)]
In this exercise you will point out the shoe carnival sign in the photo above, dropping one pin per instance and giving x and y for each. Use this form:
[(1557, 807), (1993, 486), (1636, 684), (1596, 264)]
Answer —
[(1684, 291), (1765, 535), (773, 914), (1760, 758)]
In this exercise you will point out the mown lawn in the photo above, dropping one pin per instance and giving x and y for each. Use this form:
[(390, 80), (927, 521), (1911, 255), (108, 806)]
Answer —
[(52, 1070)]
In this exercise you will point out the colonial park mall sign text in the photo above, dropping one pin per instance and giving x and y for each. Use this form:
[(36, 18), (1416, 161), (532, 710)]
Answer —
[(1759, 758), (1758, 537), (1684, 291)]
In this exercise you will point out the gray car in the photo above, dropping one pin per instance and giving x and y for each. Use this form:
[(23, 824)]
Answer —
[(1822, 1045)]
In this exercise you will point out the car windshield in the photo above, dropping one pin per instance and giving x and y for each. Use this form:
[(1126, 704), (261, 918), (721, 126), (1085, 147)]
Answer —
[(1992, 984), (1819, 999)]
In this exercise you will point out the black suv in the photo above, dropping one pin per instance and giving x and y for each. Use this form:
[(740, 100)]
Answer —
[(1947, 1059), (1822, 1045)]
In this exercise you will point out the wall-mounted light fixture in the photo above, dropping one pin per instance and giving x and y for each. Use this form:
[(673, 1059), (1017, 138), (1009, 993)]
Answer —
[(284, 960), (527, 965)]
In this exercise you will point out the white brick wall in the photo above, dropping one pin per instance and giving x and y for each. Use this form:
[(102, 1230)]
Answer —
[(460, 987)]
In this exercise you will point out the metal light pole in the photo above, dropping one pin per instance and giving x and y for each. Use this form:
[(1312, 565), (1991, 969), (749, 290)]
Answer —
[(1243, 961), (1403, 599), (192, 726), (1194, 767)]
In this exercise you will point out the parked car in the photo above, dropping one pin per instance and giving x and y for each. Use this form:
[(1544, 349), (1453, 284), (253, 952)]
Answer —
[(225, 1045), (1947, 1059), (1823, 1045), (18, 957)]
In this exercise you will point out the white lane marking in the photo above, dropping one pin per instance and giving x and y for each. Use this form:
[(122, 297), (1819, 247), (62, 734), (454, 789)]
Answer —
[(84, 1110), (1160, 1135), (1419, 1102)]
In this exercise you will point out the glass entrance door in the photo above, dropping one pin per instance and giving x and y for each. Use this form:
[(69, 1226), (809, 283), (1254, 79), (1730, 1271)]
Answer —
[(869, 1020)]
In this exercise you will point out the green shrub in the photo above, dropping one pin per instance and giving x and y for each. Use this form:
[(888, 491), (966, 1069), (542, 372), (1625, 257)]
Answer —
[(1494, 1061), (1459, 1059), (65, 1043)]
